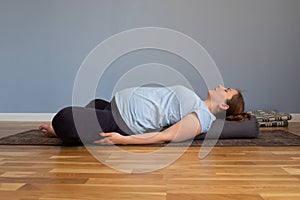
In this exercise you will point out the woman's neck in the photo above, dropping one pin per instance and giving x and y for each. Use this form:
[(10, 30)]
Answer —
[(209, 105)]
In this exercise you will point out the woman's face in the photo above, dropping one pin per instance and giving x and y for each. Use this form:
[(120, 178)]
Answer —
[(220, 94)]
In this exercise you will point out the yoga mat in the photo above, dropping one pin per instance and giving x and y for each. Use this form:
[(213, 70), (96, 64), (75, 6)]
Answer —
[(265, 138)]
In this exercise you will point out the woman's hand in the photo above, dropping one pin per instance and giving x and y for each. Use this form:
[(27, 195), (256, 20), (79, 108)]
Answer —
[(185, 129), (111, 138)]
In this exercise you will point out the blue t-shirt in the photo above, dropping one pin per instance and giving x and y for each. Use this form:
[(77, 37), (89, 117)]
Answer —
[(148, 109)]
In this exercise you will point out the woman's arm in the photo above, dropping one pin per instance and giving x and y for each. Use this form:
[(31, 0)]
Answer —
[(186, 128)]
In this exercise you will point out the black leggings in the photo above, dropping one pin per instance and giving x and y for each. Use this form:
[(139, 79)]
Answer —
[(77, 125)]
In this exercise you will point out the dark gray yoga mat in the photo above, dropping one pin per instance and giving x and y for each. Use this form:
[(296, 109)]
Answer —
[(265, 138)]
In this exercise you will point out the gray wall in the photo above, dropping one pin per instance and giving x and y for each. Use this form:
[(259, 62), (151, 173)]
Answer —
[(255, 44)]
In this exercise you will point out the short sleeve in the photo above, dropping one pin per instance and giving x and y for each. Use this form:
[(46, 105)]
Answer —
[(205, 118)]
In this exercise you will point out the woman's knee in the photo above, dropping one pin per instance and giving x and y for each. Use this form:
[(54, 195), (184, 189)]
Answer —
[(98, 104)]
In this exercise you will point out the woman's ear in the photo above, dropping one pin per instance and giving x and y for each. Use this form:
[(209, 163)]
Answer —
[(224, 106)]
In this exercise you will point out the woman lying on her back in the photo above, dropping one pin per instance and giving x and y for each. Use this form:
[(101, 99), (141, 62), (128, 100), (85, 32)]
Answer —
[(141, 115)]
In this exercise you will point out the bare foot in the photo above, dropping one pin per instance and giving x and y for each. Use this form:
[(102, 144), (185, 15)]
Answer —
[(48, 130)]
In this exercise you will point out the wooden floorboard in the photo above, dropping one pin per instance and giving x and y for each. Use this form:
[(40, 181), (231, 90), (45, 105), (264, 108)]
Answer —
[(65, 173)]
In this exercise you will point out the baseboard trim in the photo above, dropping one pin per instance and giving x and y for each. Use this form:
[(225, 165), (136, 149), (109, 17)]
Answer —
[(43, 117), (48, 117)]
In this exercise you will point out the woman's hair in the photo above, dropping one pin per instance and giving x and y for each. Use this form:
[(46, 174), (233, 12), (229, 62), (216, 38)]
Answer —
[(235, 112)]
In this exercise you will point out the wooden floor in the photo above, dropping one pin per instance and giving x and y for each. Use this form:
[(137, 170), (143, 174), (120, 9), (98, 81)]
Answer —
[(65, 173)]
